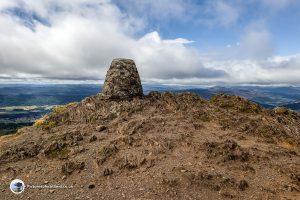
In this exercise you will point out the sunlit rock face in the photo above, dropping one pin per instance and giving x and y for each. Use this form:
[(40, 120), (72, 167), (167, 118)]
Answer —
[(122, 80)]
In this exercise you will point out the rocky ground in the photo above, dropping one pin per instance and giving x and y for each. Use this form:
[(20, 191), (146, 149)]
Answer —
[(160, 146)]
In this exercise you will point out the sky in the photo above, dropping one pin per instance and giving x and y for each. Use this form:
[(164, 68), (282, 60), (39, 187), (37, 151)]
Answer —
[(172, 41)]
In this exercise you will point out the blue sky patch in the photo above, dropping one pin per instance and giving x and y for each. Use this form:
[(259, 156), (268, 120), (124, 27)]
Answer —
[(28, 18)]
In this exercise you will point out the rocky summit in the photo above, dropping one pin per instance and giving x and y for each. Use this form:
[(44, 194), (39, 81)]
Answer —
[(122, 80), (162, 146)]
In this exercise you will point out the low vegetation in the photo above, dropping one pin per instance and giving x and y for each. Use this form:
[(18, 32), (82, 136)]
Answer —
[(49, 121)]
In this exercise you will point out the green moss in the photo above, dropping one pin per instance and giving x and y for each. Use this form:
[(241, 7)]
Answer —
[(281, 110), (263, 132), (39, 123), (63, 108), (255, 108), (60, 109), (214, 98), (226, 104), (242, 108), (50, 125), (44, 124), (252, 108), (105, 152), (60, 153), (49, 121)]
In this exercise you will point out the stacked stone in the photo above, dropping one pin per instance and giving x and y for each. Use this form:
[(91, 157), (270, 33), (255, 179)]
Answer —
[(122, 80)]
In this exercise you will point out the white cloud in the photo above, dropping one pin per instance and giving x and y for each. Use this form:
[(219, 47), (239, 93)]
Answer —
[(82, 40), (80, 43), (275, 69), (166, 60), (6, 3), (256, 42), (179, 41)]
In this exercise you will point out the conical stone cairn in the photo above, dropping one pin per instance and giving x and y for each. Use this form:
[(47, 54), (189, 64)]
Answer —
[(122, 80)]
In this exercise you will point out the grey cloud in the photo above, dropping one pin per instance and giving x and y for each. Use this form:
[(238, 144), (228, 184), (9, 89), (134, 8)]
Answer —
[(288, 63)]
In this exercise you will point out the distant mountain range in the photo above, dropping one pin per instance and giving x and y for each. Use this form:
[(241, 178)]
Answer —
[(22, 104)]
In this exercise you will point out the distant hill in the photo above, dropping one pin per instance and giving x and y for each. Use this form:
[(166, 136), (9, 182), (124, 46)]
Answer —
[(268, 97), (293, 106), (40, 95)]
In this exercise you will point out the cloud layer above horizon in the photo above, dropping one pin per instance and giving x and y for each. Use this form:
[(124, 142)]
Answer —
[(77, 39)]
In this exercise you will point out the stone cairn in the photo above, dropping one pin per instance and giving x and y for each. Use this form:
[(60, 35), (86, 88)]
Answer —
[(122, 80)]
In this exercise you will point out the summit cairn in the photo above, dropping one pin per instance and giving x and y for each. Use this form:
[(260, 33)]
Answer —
[(122, 80)]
